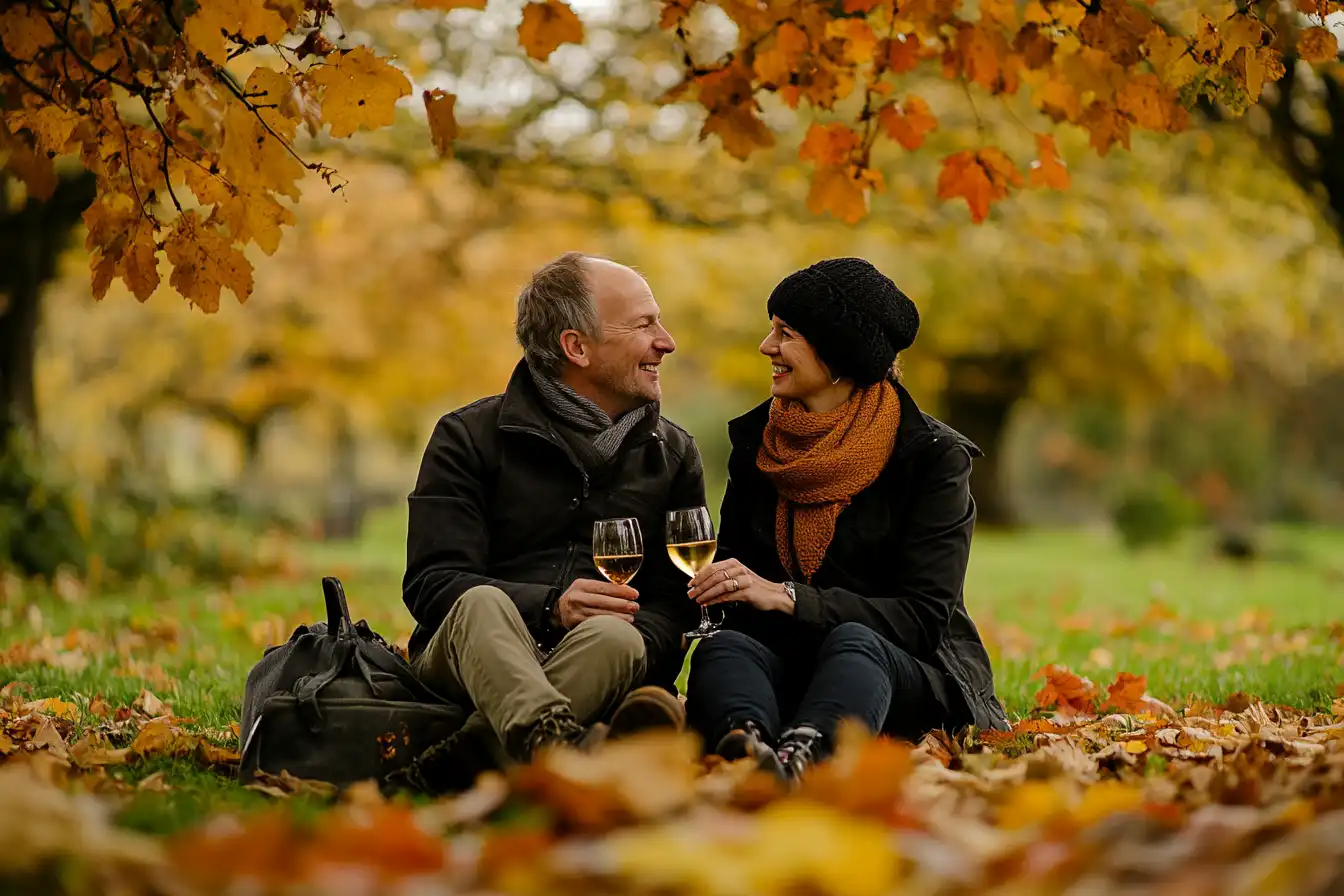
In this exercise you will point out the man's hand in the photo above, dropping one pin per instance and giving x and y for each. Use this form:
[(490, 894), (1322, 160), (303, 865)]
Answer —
[(593, 597)]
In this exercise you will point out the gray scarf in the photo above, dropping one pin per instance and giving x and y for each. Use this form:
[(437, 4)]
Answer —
[(584, 416)]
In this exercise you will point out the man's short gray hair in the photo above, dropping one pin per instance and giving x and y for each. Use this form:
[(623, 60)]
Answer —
[(559, 297)]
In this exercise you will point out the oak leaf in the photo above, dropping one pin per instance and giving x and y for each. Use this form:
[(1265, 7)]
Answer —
[(546, 25), (205, 261), (907, 122), (1317, 44), (359, 90), (1049, 170), (442, 126)]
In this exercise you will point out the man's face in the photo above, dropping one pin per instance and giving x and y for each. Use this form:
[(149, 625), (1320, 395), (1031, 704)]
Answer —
[(625, 360)]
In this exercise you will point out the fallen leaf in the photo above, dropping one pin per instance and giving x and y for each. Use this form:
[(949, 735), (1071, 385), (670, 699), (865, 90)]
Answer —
[(146, 702)]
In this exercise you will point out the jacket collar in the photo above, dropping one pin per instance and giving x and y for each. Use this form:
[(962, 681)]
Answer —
[(916, 427)]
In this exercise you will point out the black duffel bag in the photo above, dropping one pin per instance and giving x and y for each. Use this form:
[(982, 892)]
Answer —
[(335, 703)]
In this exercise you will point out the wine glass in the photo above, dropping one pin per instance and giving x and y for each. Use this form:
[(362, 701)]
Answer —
[(691, 544), (618, 549)]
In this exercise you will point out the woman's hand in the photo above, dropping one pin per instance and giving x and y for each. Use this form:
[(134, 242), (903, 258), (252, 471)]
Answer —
[(730, 580)]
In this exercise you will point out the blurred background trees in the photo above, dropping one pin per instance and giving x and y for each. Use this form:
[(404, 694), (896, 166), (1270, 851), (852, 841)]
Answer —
[(1156, 346)]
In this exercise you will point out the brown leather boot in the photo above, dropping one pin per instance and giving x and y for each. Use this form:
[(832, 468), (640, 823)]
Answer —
[(646, 709)]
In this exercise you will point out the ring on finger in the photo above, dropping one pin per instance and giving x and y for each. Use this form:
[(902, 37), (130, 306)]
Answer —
[(733, 584)]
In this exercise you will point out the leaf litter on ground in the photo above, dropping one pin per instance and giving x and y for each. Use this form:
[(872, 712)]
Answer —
[(1100, 790)]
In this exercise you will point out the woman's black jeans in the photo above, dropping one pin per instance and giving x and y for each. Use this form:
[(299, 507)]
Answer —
[(856, 673)]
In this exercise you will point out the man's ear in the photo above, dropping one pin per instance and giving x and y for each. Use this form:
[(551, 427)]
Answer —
[(575, 348)]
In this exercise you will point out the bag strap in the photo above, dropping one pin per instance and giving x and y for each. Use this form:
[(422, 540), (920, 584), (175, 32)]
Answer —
[(338, 611), (306, 694), (384, 660)]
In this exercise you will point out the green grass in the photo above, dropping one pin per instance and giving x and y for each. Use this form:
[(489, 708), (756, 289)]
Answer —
[(1193, 624)]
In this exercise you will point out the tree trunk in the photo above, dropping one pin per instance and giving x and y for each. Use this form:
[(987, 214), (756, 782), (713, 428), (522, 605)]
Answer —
[(31, 240), (344, 515), (981, 393)]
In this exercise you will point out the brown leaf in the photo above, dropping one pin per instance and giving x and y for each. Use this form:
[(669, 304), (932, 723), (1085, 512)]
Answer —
[(546, 25), (1238, 702), (442, 126), (150, 705), (99, 708), (286, 785), (154, 783)]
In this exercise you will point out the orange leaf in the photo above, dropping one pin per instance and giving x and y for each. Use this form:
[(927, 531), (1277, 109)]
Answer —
[(901, 53), (907, 123), (831, 144), (865, 6), (442, 126), (546, 25), (857, 38), (843, 191), (1049, 170), (674, 12), (1317, 44), (1151, 105), (777, 64), (1126, 693), (1064, 690)]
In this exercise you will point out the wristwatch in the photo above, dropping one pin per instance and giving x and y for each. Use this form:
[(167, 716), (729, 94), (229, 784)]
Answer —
[(793, 596)]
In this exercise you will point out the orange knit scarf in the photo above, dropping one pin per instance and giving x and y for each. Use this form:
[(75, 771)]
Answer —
[(818, 462)]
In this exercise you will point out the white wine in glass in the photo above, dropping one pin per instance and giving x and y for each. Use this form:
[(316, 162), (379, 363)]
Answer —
[(691, 545), (618, 549)]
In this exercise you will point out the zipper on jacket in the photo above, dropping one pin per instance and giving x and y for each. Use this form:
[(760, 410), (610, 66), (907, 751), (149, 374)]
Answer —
[(563, 577)]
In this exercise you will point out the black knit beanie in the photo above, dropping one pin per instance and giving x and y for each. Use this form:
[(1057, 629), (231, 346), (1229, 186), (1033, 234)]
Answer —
[(851, 313)]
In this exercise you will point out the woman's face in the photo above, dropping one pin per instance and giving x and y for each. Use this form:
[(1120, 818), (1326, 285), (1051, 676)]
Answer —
[(798, 372)]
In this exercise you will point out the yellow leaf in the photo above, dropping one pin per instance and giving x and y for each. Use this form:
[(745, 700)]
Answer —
[(54, 706), (1136, 747), (1107, 798), (252, 160), (1317, 44), (359, 90), (858, 39), (256, 218), (546, 25), (204, 261), (51, 127), (442, 126), (1149, 104), (999, 13), (24, 31), (1239, 31), (1171, 58), (1029, 804), (35, 170), (205, 29)]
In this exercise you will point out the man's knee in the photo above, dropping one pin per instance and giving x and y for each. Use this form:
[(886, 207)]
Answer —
[(482, 601), (615, 640)]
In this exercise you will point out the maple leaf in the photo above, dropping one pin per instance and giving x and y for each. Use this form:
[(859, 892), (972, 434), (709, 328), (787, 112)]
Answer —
[(24, 31), (359, 90), (205, 261), (442, 126), (1150, 105), (863, 6), (907, 122), (901, 53), (35, 169), (1070, 693), (843, 191), (1049, 170), (1126, 693), (777, 64), (859, 41), (981, 177), (123, 244), (832, 144), (546, 25), (741, 131), (205, 29), (1106, 126), (1317, 44)]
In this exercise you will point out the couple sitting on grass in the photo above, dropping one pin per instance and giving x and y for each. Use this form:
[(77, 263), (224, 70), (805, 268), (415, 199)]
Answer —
[(842, 547)]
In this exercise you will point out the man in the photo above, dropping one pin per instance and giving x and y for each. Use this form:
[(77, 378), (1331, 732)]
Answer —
[(512, 616)]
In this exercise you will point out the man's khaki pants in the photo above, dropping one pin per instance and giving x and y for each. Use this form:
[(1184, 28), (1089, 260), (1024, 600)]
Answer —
[(484, 657)]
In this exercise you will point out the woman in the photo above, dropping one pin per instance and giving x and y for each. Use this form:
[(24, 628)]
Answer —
[(844, 535)]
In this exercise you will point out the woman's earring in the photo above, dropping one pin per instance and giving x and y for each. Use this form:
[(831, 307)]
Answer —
[(835, 381)]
